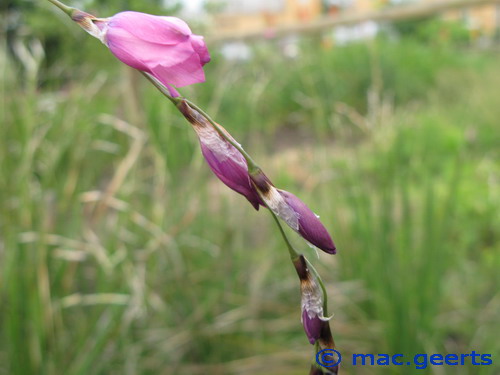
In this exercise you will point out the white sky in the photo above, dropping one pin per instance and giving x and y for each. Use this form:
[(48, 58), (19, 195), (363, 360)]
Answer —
[(195, 6), (192, 6)]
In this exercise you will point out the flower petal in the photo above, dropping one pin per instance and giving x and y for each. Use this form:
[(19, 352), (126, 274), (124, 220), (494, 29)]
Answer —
[(161, 46), (152, 29), (184, 72), (201, 48)]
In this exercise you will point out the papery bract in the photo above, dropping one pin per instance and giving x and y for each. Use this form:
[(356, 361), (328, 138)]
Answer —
[(165, 47), (312, 308)]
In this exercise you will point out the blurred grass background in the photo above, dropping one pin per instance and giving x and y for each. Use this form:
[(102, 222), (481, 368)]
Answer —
[(121, 253)]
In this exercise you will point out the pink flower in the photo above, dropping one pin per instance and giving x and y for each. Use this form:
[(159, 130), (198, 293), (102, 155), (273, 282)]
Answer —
[(164, 47)]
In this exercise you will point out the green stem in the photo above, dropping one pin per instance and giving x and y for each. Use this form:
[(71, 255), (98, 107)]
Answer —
[(252, 168), (66, 9), (293, 253), (161, 88)]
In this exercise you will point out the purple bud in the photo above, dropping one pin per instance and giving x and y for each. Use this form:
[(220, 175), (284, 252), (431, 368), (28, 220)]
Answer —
[(309, 225), (312, 326), (315, 324), (295, 213), (312, 309), (228, 164), (222, 157)]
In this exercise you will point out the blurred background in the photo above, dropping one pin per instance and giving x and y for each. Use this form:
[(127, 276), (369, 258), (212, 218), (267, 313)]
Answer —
[(121, 253)]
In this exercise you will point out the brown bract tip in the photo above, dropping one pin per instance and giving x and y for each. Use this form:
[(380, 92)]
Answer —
[(325, 338), (323, 371), (262, 182), (315, 370), (193, 116), (80, 16), (301, 268)]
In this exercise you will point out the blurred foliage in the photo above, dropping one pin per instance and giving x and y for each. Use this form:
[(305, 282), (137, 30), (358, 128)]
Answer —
[(413, 26), (444, 33), (402, 71), (120, 253), (433, 30)]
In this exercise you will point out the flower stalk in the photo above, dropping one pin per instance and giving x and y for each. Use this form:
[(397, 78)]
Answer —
[(294, 254), (66, 9), (175, 58)]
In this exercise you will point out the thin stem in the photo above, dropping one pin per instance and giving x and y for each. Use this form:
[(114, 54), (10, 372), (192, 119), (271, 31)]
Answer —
[(66, 9), (252, 165), (160, 87), (293, 253), (252, 168)]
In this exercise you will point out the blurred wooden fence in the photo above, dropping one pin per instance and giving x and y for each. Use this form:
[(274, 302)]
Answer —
[(395, 13)]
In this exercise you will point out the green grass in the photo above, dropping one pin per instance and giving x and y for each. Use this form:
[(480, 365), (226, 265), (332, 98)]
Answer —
[(121, 253)]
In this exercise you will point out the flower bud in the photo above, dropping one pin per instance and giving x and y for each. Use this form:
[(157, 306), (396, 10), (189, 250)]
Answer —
[(295, 213), (222, 157), (315, 324), (309, 225)]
